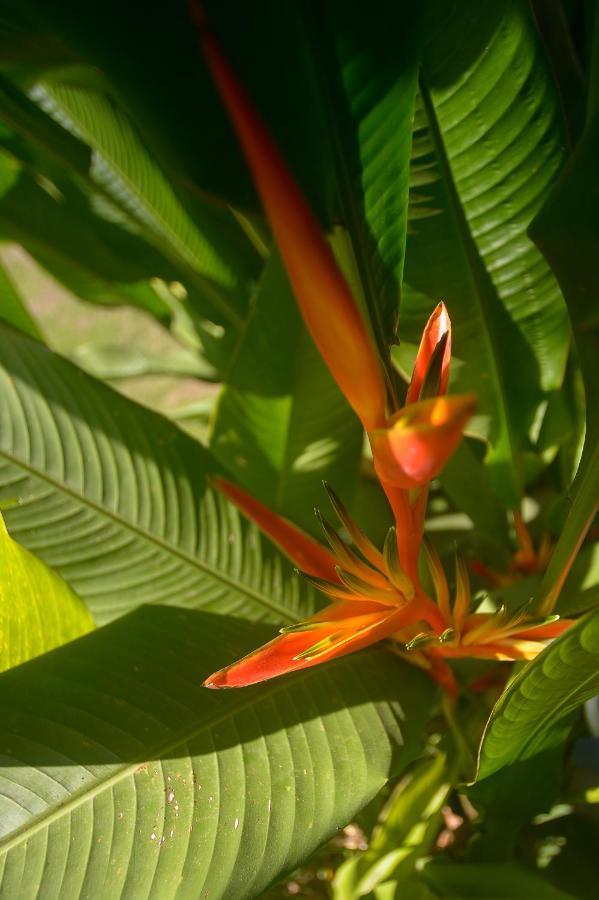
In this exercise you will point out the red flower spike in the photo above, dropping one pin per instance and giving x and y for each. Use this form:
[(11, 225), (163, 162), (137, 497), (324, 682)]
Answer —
[(323, 296), (436, 329), (304, 551), (420, 439), (335, 631)]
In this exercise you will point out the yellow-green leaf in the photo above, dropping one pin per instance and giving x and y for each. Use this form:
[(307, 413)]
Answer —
[(38, 610)]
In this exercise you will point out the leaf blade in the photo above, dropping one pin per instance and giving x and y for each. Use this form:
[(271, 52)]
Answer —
[(234, 816), (114, 498)]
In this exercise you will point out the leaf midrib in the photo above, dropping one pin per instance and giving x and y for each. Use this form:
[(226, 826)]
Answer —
[(159, 751), (152, 538)]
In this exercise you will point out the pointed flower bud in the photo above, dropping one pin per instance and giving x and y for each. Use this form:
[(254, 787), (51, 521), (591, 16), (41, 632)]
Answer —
[(322, 293), (431, 369), (420, 440)]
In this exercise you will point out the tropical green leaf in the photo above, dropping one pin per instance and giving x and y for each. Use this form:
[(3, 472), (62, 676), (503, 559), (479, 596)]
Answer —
[(336, 76), (366, 78), (488, 142), (465, 481), (115, 499), (122, 775), (38, 610), (130, 226), (25, 118), (282, 425), (520, 753), (581, 588)]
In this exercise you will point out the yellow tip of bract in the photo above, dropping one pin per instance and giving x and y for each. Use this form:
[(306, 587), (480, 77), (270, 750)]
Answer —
[(420, 440)]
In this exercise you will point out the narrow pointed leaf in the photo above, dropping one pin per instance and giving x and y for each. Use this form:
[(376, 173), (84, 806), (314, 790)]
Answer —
[(204, 241), (12, 307)]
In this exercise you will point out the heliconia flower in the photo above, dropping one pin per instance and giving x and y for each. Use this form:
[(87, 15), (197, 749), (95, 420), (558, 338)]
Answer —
[(372, 596), (419, 440), (501, 635), (431, 369), (322, 293), (375, 594)]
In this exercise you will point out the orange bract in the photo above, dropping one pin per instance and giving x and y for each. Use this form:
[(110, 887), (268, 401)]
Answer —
[(420, 439), (322, 293)]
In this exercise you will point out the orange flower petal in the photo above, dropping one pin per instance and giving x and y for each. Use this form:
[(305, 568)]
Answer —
[(344, 628), (420, 440), (325, 300), (437, 327), (310, 556)]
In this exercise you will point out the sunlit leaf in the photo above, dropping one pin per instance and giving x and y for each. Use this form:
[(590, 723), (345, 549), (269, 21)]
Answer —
[(38, 610)]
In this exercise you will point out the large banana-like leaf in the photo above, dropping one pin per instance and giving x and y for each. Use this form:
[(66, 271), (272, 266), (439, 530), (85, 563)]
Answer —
[(121, 776), (38, 610), (488, 143), (282, 425), (114, 497)]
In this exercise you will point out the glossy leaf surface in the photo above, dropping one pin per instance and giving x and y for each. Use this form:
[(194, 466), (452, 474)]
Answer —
[(488, 141), (519, 757), (168, 789)]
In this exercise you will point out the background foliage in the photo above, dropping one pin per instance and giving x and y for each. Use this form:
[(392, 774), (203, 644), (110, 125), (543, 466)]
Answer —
[(450, 150)]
